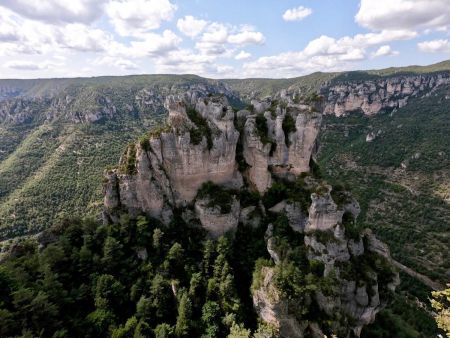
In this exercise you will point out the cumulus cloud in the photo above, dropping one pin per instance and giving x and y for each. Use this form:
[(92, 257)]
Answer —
[(221, 39), (84, 38), (242, 55), (435, 46), (153, 44), (403, 14), (191, 26), (57, 11), (247, 37), (136, 17), (323, 54), (385, 50), (297, 14)]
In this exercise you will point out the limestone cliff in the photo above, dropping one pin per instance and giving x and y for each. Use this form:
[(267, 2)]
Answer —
[(219, 169), (349, 288), (198, 145), (375, 95)]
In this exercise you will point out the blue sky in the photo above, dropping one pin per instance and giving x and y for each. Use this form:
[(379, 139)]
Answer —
[(219, 39)]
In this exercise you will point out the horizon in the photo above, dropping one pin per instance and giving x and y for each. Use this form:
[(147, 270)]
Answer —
[(92, 38), (230, 78)]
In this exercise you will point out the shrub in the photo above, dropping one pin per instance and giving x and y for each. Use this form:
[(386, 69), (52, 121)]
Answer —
[(262, 130), (288, 127), (217, 195), (202, 130)]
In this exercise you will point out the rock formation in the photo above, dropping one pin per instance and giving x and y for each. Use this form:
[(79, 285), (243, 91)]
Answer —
[(383, 93), (199, 145), (202, 160), (357, 266)]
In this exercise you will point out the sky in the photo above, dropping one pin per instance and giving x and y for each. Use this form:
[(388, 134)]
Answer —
[(216, 38)]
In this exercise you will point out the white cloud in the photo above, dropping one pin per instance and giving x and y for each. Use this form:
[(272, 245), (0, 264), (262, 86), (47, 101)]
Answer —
[(323, 54), (215, 33), (220, 39), (57, 11), (116, 63), (435, 46), (297, 14), (154, 44), (84, 38), (27, 65), (191, 26), (136, 17), (385, 50), (243, 55), (247, 37), (403, 14)]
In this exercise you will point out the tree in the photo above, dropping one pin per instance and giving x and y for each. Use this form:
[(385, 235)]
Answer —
[(161, 296), (211, 319), (174, 259), (184, 316), (108, 292), (112, 253), (157, 237), (164, 331), (239, 331), (441, 303), (126, 331)]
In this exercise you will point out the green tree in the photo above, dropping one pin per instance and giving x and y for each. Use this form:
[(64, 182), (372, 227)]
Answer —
[(184, 316), (161, 296), (112, 253), (441, 303), (164, 331), (239, 331)]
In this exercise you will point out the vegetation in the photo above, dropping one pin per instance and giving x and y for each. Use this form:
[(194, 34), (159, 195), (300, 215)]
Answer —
[(404, 206), (217, 196), (202, 128), (262, 130), (288, 127), (90, 282), (441, 303)]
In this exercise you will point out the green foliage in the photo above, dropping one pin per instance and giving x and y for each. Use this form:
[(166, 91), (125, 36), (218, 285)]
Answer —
[(288, 127), (202, 128), (441, 304), (217, 196), (262, 130), (128, 162), (399, 205), (291, 191), (90, 283)]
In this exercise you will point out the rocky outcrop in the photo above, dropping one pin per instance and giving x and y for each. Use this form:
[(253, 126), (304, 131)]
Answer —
[(199, 145), (358, 268), (199, 163), (383, 93), (273, 309), (286, 148), (216, 222), (86, 103), (167, 170)]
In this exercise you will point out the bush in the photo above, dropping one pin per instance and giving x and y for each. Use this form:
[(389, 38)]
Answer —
[(202, 130), (217, 195), (288, 128)]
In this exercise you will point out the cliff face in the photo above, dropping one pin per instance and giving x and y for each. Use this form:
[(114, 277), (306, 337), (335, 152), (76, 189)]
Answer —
[(348, 289), (89, 103), (199, 145), (373, 96), (199, 164)]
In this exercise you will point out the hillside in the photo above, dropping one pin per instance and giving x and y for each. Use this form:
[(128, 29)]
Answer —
[(172, 257), (384, 136)]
